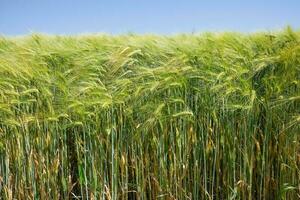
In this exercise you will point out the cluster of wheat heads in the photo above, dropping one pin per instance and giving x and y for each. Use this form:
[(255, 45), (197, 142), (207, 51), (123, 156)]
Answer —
[(210, 116)]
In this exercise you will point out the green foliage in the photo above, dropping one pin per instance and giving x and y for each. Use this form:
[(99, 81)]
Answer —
[(210, 116)]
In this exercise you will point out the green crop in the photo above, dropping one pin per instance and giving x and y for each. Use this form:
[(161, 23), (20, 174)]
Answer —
[(210, 116)]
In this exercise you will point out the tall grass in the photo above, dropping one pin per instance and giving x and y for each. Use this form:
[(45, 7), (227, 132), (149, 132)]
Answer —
[(210, 116)]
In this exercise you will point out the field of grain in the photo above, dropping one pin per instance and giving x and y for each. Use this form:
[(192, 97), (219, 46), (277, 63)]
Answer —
[(208, 116)]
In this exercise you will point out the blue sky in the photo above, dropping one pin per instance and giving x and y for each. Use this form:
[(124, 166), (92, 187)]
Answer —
[(19, 17)]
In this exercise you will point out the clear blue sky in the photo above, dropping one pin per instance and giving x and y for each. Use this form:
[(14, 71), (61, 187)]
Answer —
[(18, 17)]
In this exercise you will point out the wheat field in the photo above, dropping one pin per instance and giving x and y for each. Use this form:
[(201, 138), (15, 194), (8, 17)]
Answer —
[(190, 116)]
